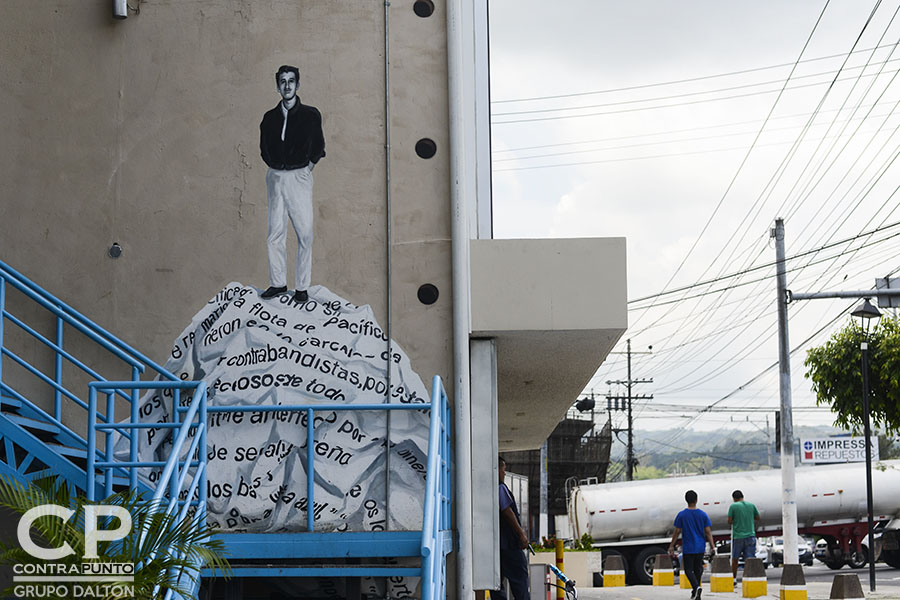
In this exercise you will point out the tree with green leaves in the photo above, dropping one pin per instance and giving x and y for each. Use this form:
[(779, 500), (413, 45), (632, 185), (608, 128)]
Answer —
[(164, 550), (835, 370)]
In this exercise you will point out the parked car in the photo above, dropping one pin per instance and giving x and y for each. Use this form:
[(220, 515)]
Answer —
[(723, 548), (775, 550)]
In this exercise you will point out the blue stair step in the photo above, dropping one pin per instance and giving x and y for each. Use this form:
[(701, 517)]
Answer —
[(10, 401), (349, 544), (69, 451), (33, 423), (320, 571)]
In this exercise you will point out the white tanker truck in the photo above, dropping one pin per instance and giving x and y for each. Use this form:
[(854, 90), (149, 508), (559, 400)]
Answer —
[(635, 518)]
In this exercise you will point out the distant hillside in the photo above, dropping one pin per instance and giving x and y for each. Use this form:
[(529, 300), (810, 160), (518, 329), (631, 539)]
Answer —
[(673, 452)]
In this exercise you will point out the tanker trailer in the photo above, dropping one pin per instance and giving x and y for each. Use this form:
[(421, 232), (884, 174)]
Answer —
[(635, 518)]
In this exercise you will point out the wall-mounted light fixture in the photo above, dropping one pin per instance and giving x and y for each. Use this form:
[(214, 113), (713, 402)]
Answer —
[(120, 9)]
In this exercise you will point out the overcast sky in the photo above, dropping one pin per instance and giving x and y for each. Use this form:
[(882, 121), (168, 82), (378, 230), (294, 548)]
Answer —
[(688, 127)]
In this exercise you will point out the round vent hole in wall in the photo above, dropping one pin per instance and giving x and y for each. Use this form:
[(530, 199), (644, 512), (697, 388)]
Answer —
[(428, 293), (423, 8), (426, 148)]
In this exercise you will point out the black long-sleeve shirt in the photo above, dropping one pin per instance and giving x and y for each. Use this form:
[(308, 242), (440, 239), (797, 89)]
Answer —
[(303, 142)]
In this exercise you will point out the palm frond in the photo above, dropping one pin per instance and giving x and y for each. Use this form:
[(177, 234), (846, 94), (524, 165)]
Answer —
[(167, 552)]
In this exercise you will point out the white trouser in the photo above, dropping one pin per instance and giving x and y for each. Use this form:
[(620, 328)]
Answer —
[(290, 195)]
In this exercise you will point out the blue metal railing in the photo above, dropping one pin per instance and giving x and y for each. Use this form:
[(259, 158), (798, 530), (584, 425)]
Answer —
[(176, 471), (62, 316), (182, 482), (435, 538), (437, 491)]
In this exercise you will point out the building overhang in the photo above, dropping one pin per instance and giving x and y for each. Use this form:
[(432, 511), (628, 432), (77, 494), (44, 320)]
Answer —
[(555, 308)]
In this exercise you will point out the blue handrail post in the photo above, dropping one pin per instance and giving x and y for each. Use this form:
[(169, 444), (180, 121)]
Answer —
[(133, 438), (310, 470), (173, 484), (2, 318), (448, 478), (91, 443), (204, 452), (57, 396), (110, 419)]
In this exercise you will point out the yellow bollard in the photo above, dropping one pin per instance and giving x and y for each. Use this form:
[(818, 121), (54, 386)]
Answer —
[(685, 584), (753, 581), (560, 563), (793, 583), (720, 577), (613, 571), (663, 573)]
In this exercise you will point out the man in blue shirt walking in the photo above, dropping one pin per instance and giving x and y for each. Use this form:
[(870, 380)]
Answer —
[(694, 527)]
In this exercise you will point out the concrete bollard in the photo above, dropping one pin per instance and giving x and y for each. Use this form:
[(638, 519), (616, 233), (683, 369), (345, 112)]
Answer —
[(683, 581), (846, 586), (753, 581), (720, 577), (613, 571), (663, 572), (793, 583)]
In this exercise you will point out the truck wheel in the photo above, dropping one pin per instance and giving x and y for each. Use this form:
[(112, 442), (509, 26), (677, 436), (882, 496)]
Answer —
[(857, 559), (834, 563), (643, 564), (891, 557)]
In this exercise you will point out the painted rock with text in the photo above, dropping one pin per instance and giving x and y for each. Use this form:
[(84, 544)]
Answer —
[(255, 352)]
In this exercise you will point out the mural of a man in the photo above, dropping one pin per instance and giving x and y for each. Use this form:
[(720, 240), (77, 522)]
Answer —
[(291, 142)]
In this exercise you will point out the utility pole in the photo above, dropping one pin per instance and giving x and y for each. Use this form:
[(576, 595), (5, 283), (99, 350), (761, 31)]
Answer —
[(629, 383), (788, 476), (885, 291)]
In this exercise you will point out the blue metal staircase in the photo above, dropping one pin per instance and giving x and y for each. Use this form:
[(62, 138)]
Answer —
[(47, 425)]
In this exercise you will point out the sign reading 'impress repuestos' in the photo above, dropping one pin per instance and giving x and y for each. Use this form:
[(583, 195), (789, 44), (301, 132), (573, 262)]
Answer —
[(836, 450)]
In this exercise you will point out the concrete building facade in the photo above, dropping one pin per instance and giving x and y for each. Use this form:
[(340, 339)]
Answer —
[(133, 190)]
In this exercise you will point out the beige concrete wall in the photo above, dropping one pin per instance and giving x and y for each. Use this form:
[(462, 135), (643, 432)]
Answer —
[(578, 566), (145, 132), (556, 308), (548, 284)]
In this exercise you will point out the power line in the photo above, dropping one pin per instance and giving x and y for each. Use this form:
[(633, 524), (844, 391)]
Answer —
[(671, 105), (673, 82), (768, 265), (645, 144), (685, 95), (747, 155), (671, 131), (779, 172)]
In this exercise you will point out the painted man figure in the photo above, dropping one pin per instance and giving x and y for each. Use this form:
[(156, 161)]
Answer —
[(291, 143)]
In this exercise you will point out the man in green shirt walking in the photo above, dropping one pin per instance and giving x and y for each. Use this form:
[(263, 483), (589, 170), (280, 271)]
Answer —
[(742, 517)]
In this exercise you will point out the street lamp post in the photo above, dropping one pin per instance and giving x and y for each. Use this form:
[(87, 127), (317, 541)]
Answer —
[(866, 312)]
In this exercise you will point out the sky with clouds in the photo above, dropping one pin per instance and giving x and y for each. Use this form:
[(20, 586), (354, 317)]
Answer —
[(687, 127)]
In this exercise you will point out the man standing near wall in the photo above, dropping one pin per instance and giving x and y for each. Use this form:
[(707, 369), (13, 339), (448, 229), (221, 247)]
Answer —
[(513, 540), (742, 517), (291, 142)]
